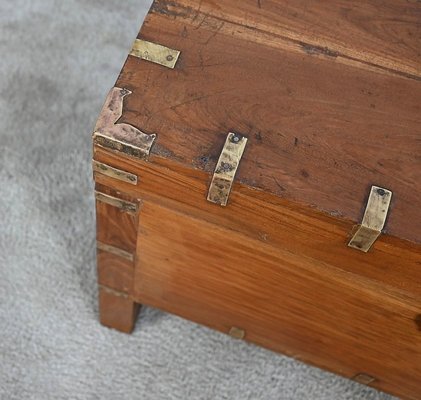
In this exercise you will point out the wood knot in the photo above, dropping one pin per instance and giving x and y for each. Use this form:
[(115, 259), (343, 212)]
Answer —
[(418, 322)]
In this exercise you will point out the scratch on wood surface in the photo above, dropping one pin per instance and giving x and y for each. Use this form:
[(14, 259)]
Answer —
[(312, 49), (215, 33)]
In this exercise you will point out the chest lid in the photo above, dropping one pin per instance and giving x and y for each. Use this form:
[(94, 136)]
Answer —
[(325, 100)]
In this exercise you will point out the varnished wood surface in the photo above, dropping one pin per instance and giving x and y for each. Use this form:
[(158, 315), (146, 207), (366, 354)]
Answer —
[(369, 34), (328, 94), (281, 272), (320, 131), (114, 226), (116, 251), (281, 300), (115, 272), (278, 222), (117, 310)]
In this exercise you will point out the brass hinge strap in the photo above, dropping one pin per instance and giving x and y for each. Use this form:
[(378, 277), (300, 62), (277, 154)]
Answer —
[(226, 168), (373, 220)]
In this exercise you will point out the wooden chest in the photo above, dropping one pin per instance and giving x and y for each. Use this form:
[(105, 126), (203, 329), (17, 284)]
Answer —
[(257, 170)]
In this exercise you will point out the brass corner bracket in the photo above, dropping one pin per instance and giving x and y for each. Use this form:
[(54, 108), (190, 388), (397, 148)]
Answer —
[(155, 53), (120, 137), (373, 220), (226, 168)]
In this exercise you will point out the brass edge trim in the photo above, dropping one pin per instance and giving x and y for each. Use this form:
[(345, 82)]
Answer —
[(115, 250), (237, 333), (116, 202), (374, 219), (115, 173), (119, 146), (121, 137), (113, 291), (226, 168), (365, 379), (155, 53)]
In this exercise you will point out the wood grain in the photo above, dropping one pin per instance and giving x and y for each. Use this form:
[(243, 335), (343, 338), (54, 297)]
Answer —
[(277, 270), (328, 94), (283, 301), (116, 238), (385, 35), (117, 310), (114, 272), (320, 132), (114, 226), (278, 222)]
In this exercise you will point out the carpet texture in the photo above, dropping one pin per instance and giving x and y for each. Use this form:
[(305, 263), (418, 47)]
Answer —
[(58, 60)]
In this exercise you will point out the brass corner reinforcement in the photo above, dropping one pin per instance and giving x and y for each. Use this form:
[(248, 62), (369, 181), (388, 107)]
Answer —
[(373, 220), (120, 137), (155, 53), (108, 170), (226, 168)]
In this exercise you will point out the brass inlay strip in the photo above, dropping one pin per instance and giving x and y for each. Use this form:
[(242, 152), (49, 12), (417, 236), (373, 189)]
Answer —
[(237, 333), (226, 168), (112, 172), (115, 250), (373, 220), (113, 291), (364, 379), (116, 202), (155, 53)]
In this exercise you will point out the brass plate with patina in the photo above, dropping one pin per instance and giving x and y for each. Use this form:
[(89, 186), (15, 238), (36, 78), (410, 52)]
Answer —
[(373, 220), (155, 53), (226, 168), (116, 202), (108, 170)]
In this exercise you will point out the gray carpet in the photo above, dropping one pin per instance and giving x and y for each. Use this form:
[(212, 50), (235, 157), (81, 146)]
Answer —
[(58, 60)]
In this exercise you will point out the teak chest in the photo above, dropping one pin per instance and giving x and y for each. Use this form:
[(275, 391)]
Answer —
[(257, 170)]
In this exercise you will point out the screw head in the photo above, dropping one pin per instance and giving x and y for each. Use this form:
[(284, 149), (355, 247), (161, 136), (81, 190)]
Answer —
[(170, 57), (235, 139)]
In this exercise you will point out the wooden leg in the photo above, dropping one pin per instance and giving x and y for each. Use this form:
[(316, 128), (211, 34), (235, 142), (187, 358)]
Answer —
[(116, 248), (117, 310)]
